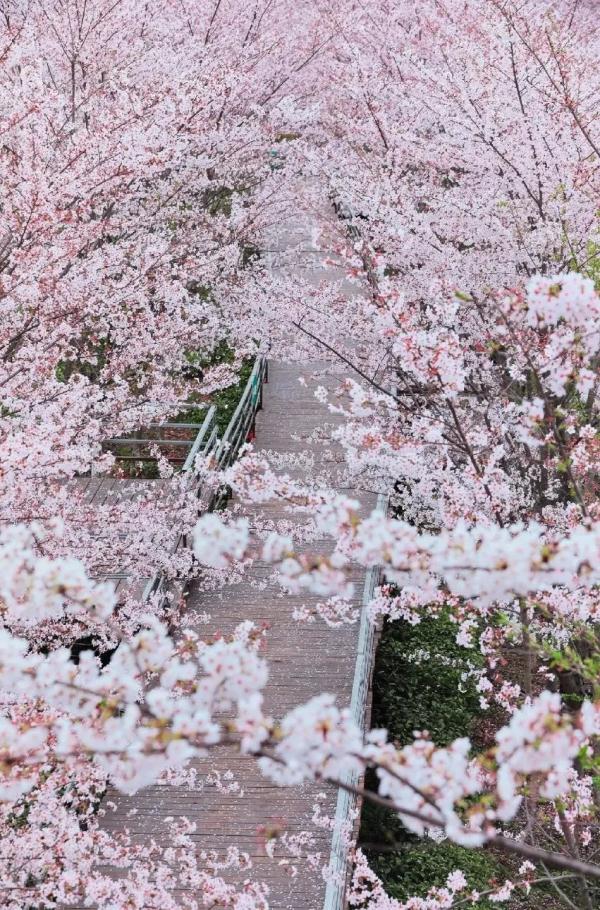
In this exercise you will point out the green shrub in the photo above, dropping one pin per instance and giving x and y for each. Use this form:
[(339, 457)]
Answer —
[(225, 400), (416, 868), (425, 681)]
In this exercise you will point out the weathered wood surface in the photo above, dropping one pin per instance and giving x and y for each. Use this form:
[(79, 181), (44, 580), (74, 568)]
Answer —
[(304, 660)]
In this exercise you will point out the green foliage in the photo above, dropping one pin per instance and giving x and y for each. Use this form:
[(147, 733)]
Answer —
[(415, 868), (134, 465), (250, 254), (217, 200), (424, 681), (225, 400), (202, 291), (90, 366), (196, 362), (380, 829), (18, 818), (589, 264)]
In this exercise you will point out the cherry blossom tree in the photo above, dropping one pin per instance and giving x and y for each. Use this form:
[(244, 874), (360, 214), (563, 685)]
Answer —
[(136, 185), (458, 145)]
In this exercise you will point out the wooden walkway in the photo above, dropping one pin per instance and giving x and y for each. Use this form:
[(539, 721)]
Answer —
[(304, 660)]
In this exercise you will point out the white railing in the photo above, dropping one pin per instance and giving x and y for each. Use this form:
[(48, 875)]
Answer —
[(224, 451), (241, 427), (202, 445), (204, 441), (347, 803)]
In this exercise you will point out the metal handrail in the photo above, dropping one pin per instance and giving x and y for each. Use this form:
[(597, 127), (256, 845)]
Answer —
[(224, 451), (240, 428), (204, 441), (339, 867), (244, 416)]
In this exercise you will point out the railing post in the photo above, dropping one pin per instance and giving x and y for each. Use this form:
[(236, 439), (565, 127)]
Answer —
[(263, 379)]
